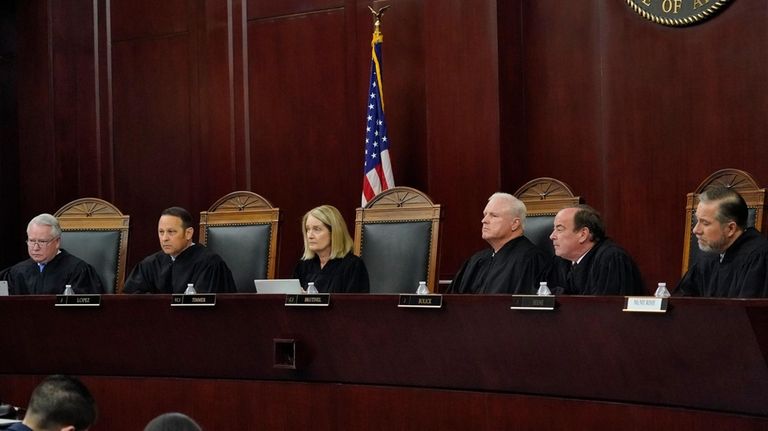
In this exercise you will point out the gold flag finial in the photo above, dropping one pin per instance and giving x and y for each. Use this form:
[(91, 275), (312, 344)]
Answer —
[(377, 14)]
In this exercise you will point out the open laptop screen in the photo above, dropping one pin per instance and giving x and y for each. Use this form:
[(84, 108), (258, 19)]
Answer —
[(280, 286)]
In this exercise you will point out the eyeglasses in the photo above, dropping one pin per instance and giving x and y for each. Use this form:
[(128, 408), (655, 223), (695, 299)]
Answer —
[(32, 243)]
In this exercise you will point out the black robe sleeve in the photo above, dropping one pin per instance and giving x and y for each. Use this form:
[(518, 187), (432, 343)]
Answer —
[(614, 273), (341, 275), (197, 265), (741, 273), (25, 277)]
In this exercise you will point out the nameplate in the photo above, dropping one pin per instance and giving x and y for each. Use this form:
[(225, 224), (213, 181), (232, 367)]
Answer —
[(420, 301), (78, 300), (193, 300), (645, 304), (533, 302), (308, 300)]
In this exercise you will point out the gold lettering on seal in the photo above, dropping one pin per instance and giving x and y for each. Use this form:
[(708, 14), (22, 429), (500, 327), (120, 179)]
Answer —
[(699, 3), (671, 6)]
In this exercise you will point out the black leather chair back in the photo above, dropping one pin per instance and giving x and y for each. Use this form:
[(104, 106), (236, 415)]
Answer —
[(101, 249), (396, 255), (538, 229), (245, 249)]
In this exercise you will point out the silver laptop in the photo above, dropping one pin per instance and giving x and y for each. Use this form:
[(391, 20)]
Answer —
[(279, 286), (3, 288)]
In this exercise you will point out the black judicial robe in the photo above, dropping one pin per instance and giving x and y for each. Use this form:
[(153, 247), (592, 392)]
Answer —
[(606, 269), (517, 268), (341, 275), (157, 273), (25, 277), (743, 272)]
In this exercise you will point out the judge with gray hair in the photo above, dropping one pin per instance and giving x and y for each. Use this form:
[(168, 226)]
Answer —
[(49, 267), (512, 264)]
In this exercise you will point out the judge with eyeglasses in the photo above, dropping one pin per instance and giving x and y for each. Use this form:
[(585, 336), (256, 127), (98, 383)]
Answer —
[(49, 268)]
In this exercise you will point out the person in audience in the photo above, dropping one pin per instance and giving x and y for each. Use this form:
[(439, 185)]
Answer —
[(586, 262), (513, 264), (173, 422), (59, 403), (180, 261), (49, 268), (735, 257), (328, 260)]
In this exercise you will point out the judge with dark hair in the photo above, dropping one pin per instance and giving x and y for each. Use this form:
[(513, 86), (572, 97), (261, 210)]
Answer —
[(49, 268), (735, 257), (586, 262), (59, 403), (180, 261), (513, 264)]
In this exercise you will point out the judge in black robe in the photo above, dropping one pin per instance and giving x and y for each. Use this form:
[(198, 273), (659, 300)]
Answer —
[(180, 262), (606, 269), (347, 274), (513, 264), (158, 273), (25, 278), (49, 268), (328, 261), (515, 269), (742, 272), (586, 262), (734, 262)]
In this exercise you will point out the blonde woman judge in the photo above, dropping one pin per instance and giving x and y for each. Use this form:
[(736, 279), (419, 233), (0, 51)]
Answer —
[(328, 260)]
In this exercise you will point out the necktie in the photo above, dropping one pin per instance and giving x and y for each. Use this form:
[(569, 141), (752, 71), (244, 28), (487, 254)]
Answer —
[(41, 266)]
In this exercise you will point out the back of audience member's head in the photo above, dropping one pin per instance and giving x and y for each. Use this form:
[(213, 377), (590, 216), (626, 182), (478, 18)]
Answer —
[(60, 401), (732, 206), (172, 422)]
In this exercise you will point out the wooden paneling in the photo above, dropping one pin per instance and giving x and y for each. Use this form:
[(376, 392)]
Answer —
[(462, 101), (78, 165), (156, 159), (9, 133), (138, 19), (679, 104), (258, 9), (361, 364), (151, 104), (303, 153)]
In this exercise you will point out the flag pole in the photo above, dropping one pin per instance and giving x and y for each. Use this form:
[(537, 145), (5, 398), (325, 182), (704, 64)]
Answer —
[(377, 169)]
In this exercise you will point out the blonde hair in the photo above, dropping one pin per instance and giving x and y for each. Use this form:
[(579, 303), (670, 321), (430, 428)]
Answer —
[(341, 242)]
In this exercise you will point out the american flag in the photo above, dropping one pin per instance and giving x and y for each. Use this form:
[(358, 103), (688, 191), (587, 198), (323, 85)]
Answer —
[(378, 169)]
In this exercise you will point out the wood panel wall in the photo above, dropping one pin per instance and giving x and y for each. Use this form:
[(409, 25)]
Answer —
[(151, 104)]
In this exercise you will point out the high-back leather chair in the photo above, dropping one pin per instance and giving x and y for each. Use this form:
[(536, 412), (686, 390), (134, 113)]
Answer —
[(543, 198), (735, 179), (97, 232), (396, 235), (241, 227)]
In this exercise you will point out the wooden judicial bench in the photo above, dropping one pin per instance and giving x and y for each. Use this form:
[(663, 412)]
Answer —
[(251, 363)]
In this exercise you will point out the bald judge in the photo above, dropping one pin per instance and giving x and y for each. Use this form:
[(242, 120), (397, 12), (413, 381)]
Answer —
[(513, 264)]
